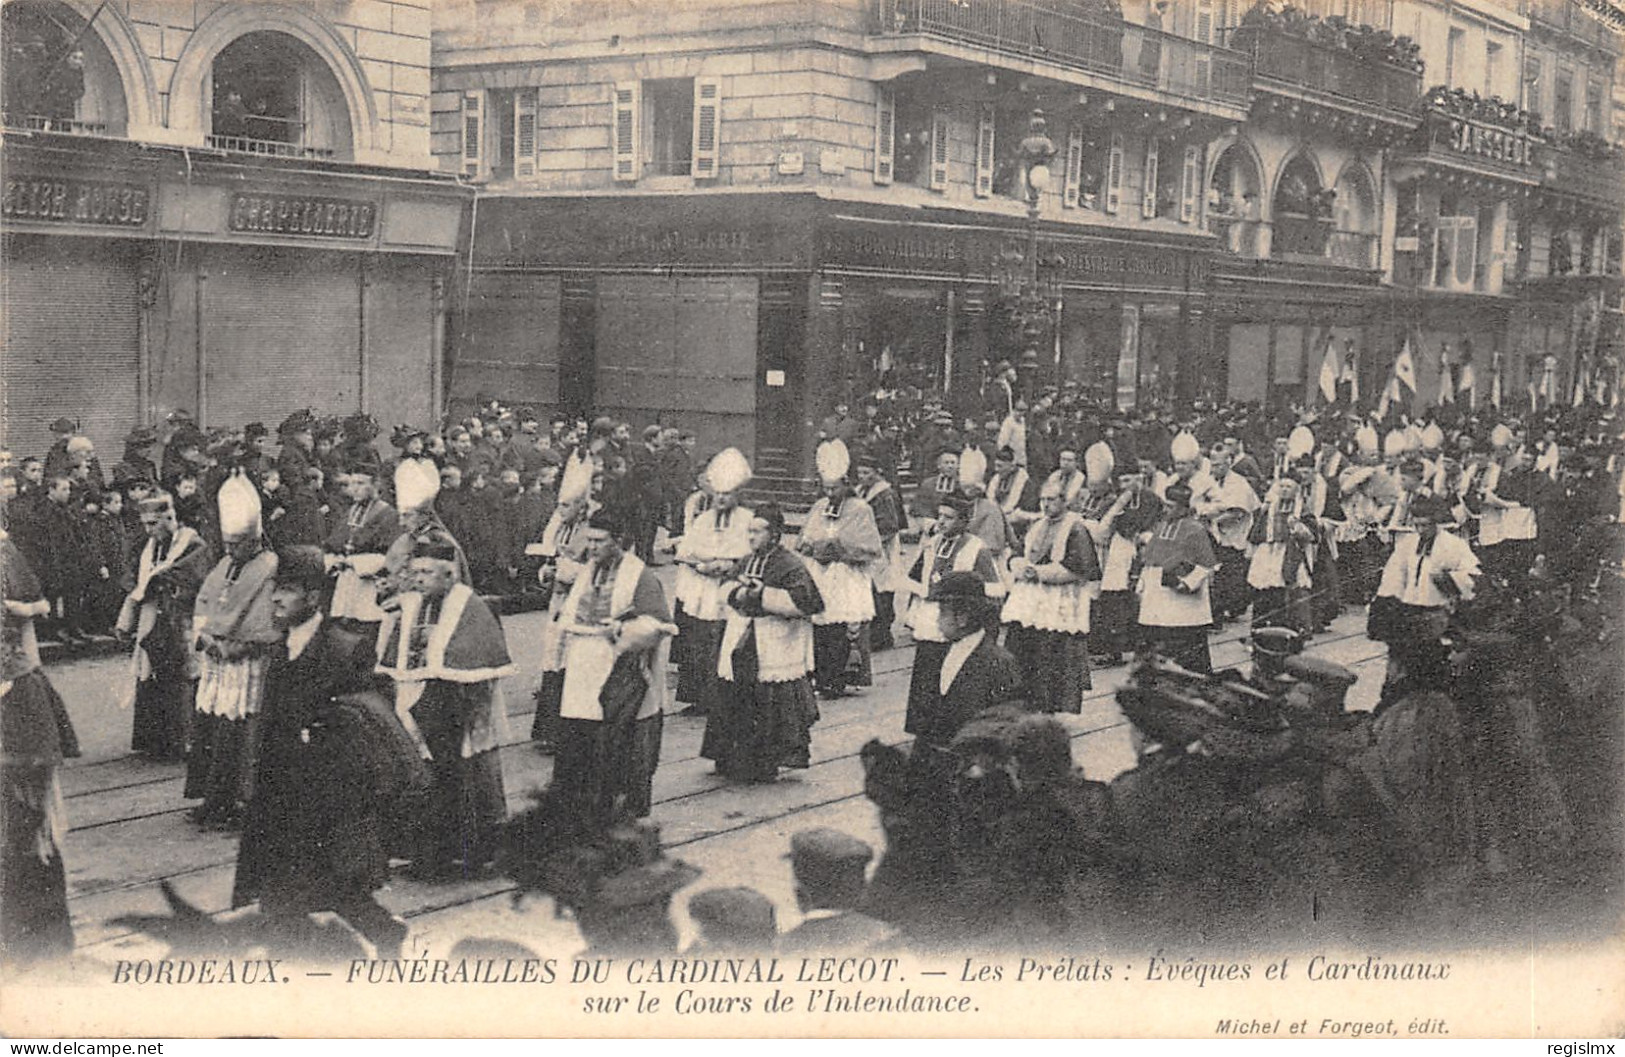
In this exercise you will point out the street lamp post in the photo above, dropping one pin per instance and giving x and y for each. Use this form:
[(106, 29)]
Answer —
[(1036, 151)]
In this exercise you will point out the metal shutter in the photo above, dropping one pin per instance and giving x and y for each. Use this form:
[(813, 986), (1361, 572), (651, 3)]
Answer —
[(282, 331), (400, 341), (72, 346), (509, 346), (681, 349)]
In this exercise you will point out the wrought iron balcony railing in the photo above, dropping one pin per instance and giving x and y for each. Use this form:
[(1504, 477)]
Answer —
[(268, 147), (69, 126), (1060, 31), (1331, 71), (1570, 17)]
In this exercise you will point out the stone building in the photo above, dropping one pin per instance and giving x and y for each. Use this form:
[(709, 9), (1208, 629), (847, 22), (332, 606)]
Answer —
[(225, 208)]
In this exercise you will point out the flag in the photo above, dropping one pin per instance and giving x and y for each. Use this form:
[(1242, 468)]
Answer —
[(1469, 385), (1405, 367), (1390, 395), (1495, 391), (1351, 372), (1329, 372), (1447, 384), (1534, 394)]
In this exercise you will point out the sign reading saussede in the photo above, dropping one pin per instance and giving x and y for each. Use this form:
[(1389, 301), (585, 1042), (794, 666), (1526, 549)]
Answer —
[(299, 215)]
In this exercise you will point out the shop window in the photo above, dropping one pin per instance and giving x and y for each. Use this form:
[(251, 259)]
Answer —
[(667, 127), (270, 94), (59, 77)]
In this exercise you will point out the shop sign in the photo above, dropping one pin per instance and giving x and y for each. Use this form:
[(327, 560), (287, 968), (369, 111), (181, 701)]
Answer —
[(1484, 141), (303, 217), (75, 202), (1088, 262)]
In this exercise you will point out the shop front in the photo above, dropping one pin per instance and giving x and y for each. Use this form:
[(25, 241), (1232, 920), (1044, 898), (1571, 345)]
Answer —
[(143, 280), (749, 317)]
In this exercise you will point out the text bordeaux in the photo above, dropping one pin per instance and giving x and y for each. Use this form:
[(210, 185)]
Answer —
[(75, 201), (319, 217)]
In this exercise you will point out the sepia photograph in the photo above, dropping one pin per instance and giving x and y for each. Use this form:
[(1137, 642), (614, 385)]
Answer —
[(812, 518)]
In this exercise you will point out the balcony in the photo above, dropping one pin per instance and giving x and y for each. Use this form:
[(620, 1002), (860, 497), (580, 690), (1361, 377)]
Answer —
[(1598, 176), (65, 126), (1058, 31), (267, 147), (1567, 16), (1476, 144), (1282, 59), (1237, 235)]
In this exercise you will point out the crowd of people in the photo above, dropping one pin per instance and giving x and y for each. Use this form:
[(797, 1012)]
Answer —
[(311, 627)]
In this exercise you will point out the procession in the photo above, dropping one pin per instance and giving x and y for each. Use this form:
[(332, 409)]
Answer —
[(1113, 493), (319, 632)]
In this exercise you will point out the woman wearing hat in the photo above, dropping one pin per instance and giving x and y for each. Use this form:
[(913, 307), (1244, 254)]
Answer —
[(765, 709)]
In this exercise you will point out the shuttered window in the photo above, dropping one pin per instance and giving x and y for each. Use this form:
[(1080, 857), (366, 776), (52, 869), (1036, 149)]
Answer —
[(626, 131), (72, 347), (707, 130), (1190, 183), (1074, 167), (524, 132), (984, 152), (261, 358), (473, 133), (1148, 193), (939, 150), (1114, 174), (885, 134)]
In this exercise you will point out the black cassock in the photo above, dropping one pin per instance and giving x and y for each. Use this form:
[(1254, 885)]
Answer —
[(315, 834)]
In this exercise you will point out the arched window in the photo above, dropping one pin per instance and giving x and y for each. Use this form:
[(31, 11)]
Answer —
[(59, 75), (1302, 211), (271, 94), (1234, 200), (1356, 220)]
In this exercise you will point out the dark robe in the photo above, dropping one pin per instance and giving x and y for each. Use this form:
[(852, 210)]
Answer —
[(313, 836), (990, 676), (163, 700), (758, 726), (35, 737)]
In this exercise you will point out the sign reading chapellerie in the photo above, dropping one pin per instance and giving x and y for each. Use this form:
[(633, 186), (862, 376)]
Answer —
[(75, 202), (298, 215)]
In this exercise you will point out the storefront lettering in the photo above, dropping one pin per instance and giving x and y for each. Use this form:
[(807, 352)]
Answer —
[(673, 242), (75, 202), (893, 248), (331, 218), (1485, 142), (971, 253)]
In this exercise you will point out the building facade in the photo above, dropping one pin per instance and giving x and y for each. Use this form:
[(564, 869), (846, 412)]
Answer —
[(733, 215), (222, 208)]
